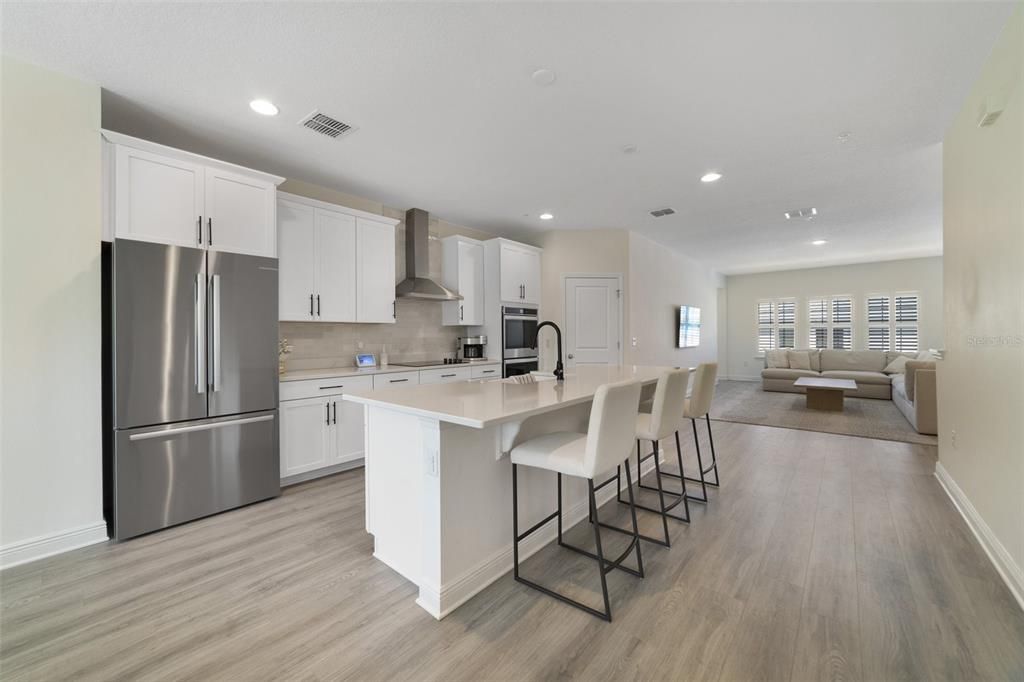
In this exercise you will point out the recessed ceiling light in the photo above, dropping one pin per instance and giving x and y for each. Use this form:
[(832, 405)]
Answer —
[(805, 213), (543, 76), (629, 149), (819, 242), (546, 216), (263, 106), (710, 177), (844, 136)]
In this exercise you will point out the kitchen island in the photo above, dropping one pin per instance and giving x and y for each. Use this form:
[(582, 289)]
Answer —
[(439, 480)]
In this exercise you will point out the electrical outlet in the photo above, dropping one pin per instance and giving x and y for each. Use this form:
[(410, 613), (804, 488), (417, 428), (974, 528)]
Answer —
[(952, 437), (359, 345), (634, 342)]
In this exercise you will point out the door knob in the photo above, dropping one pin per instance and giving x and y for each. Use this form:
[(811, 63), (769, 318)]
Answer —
[(571, 356)]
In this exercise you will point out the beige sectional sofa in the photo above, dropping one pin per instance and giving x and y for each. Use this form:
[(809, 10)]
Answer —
[(913, 391)]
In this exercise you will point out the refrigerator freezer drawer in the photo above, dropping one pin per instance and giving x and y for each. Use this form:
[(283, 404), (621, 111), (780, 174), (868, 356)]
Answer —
[(174, 473)]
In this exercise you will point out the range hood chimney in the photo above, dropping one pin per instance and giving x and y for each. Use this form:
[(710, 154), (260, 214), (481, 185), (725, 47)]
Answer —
[(417, 282)]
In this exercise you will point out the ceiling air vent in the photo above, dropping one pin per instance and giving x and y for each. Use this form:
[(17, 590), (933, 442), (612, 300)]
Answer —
[(325, 125), (663, 212)]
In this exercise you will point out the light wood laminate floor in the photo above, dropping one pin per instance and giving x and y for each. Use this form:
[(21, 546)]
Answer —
[(822, 557)]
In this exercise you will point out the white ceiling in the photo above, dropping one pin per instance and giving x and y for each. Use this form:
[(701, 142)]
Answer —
[(449, 119)]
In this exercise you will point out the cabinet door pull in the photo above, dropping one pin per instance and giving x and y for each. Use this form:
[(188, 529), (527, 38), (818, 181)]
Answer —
[(318, 305), (396, 381), (328, 406), (199, 226), (460, 312), (209, 231), (311, 305), (335, 411), (324, 388), (487, 371), (447, 376), (394, 310)]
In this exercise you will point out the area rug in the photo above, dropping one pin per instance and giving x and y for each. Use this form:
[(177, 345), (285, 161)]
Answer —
[(746, 403)]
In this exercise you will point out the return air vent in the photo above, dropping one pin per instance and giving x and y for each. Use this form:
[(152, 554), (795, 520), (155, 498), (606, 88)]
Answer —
[(325, 125), (663, 212)]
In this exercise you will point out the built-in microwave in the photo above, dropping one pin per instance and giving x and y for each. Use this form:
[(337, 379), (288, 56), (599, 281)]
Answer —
[(519, 333)]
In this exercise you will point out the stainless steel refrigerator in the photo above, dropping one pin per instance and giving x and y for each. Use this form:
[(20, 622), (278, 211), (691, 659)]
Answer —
[(192, 385)]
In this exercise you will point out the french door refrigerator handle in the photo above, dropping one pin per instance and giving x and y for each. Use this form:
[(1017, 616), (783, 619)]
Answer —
[(200, 333), (214, 360), (198, 427)]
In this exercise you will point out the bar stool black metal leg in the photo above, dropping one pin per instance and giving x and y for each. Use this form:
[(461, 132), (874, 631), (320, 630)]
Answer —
[(636, 528), (700, 467), (714, 457), (600, 553), (559, 478), (661, 494), (682, 477), (515, 522)]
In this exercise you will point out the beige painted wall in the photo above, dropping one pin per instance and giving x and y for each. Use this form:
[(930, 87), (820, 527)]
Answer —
[(661, 280), (656, 279), (50, 330), (981, 380), (923, 275), (576, 252)]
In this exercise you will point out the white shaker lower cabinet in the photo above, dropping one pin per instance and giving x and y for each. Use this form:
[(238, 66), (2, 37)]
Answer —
[(319, 431), (446, 375)]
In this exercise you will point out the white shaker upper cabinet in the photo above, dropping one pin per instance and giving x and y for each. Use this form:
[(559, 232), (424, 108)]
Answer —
[(520, 273), (158, 199), (375, 268), (297, 261), (336, 266), (240, 213), (464, 273), (165, 195)]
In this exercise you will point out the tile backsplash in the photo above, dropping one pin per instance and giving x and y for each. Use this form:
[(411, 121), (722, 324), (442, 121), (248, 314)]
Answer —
[(417, 334)]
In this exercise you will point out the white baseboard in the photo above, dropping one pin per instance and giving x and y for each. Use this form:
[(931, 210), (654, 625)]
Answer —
[(47, 545), (1007, 568), (742, 378), (453, 594)]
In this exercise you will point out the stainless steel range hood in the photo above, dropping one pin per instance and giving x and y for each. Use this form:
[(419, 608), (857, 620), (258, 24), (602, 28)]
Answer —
[(417, 282)]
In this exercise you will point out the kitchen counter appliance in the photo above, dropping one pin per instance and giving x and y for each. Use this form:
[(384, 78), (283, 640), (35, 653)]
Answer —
[(518, 340), (190, 384)]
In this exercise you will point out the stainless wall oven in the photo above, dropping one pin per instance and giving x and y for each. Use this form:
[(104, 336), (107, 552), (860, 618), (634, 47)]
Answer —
[(518, 340)]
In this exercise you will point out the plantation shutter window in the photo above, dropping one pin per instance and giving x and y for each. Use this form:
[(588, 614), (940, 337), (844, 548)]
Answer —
[(765, 326), (879, 316), (842, 322), (817, 317), (786, 314), (906, 312)]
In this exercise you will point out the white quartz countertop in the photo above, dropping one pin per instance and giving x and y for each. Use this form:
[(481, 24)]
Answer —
[(479, 404), (340, 372)]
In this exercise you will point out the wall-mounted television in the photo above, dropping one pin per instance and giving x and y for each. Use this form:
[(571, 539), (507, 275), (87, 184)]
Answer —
[(689, 327)]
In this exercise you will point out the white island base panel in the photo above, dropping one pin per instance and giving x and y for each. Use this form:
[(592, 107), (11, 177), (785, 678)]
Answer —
[(439, 499)]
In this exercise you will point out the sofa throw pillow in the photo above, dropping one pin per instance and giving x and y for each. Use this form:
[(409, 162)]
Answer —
[(897, 366), (776, 359), (925, 356), (799, 359)]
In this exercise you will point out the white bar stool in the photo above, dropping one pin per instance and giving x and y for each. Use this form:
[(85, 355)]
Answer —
[(662, 421), (607, 443), (699, 405)]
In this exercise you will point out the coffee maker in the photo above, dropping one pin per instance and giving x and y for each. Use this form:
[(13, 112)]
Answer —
[(473, 347)]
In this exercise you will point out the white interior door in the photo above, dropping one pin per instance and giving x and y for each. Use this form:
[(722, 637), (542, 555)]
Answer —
[(593, 332)]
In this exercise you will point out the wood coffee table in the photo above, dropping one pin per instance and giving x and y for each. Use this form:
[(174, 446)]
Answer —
[(824, 393)]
